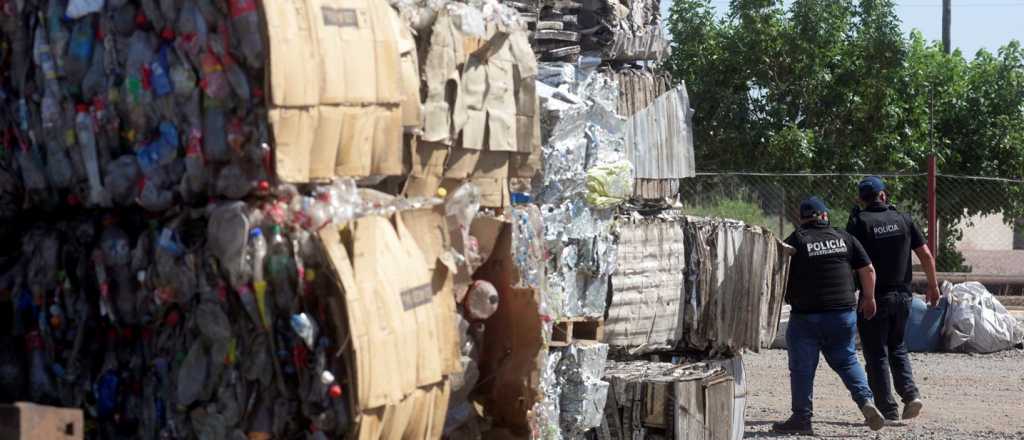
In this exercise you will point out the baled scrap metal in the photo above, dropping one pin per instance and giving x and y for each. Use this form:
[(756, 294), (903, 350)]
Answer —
[(587, 134), (647, 285), (659, 137), (662, 399), (583, 393)]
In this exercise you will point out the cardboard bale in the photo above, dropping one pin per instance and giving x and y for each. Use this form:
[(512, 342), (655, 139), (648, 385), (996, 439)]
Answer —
[(400, 313), (29, 421)]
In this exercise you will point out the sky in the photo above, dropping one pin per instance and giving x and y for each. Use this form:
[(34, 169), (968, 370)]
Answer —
[(976, 24)]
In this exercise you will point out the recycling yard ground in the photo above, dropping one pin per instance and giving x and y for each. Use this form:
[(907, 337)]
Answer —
[(967, 397)]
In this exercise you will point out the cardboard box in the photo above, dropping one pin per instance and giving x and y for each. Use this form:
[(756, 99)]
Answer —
[(513, 350), (28, 421)]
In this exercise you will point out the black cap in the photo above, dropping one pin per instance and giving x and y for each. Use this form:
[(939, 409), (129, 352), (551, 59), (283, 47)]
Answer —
[(869, 187), (812, 207)]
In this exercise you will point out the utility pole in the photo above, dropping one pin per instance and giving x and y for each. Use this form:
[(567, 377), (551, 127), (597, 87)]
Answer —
[(947, 12)]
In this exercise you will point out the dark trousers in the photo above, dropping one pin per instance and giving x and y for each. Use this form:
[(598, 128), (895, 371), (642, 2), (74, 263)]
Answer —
[(885, 352)]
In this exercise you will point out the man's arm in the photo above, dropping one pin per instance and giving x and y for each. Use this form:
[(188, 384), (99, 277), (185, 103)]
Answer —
[(928, 264), (867, 291), (919, 245)]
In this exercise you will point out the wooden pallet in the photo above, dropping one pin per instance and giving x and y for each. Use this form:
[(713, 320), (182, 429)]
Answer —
[(568, 330)]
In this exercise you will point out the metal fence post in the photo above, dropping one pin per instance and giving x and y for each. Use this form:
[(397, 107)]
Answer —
[(933, 230)]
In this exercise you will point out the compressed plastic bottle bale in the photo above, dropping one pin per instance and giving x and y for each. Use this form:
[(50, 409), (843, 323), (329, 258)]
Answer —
[(482, 300)]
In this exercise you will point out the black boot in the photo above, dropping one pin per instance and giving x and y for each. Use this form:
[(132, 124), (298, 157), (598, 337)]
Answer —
[(793, 426)]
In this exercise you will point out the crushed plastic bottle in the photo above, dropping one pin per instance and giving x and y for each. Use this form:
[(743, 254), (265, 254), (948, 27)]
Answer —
[(79, 56), (305, 327), (192, 375), (87, 142), (482, 300), (281, 270), (56, 32), (245, 23), (80, 8)]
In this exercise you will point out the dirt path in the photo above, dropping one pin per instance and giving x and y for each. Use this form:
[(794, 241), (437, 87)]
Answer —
[(966, 397)]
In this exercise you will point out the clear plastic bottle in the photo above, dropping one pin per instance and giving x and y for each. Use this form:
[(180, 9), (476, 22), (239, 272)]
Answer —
[(259, 252), (245, 24), (87, 142), (94, 84), (42, 54)]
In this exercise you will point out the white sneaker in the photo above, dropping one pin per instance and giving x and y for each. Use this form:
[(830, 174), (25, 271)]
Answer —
[(912, 409), (872, 416)]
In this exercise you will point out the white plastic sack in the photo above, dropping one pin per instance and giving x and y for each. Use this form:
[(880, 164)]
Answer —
[(976, 322), (80, 8)]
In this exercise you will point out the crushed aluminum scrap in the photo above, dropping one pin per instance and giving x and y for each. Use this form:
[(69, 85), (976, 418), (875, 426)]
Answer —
[(580, 248)]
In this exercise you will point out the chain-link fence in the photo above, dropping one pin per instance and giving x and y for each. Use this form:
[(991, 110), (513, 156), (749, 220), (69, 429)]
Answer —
[(980, 219)]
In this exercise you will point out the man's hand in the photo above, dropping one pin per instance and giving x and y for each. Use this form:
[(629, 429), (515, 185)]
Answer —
[(868, 308), (933, 295)]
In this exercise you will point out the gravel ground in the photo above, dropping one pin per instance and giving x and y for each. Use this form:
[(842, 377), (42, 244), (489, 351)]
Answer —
[(966, 397)]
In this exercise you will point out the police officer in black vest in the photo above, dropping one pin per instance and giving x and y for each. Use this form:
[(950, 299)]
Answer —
[(824, 317), (888, 237)]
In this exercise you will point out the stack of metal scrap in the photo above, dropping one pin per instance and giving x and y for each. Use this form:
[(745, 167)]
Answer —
[(664, 400), (733, 281), (623, 30), (580, 247), (639, 88), (659, 142), (583, 393)]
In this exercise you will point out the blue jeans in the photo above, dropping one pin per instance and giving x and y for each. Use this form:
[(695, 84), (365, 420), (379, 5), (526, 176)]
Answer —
[(831, 334)]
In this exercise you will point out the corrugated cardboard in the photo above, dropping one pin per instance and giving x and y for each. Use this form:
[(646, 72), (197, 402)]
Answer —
[(294, 133), (512, 353), (430, 231), (29, 421), (328, 137), (426, 173), (412, 114), (441, 76), (359, 43), (488, 170), (371, 142), (294, 49)]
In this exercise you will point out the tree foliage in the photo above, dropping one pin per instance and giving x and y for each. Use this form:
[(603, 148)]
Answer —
[(834, 86)]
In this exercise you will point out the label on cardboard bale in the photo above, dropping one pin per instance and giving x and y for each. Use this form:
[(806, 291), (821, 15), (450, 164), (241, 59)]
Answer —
[(340, 17), (417, 296)]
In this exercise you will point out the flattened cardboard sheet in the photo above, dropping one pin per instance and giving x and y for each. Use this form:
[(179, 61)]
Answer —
[(294, 132), (294, 49)]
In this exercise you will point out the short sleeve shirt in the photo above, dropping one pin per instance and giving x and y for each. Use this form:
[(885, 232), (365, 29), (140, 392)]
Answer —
[(888, 237), (821, 272)]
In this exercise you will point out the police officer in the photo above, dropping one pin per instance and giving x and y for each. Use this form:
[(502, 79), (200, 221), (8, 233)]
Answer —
[(888, 237), (823, 319)]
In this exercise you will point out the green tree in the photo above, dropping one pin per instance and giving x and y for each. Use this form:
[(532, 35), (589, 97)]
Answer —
[(833, 86)]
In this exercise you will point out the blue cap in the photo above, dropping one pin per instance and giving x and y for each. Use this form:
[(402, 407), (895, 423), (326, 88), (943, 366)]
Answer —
[(811, 207), (869, 187)]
